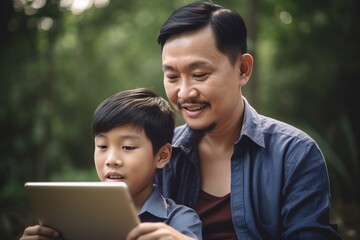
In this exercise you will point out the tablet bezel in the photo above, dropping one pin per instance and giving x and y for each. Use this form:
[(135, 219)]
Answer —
[(84, 210)]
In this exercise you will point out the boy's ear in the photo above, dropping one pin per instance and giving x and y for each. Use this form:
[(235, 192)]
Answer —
[(164, 155)]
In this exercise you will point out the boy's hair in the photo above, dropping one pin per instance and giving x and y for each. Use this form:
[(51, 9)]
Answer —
[(141, 108), (227, 25)]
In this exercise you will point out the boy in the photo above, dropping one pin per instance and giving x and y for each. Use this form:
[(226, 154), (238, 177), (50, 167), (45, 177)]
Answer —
[(133, 131)]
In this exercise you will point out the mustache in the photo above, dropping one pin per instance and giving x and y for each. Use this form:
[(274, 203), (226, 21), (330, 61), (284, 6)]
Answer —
[(181, 103)]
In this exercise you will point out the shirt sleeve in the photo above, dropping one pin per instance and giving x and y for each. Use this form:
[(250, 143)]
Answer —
[(185, 220), (306, 195)]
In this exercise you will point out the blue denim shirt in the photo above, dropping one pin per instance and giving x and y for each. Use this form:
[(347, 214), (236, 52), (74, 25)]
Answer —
[(159, 209), (279, 180)]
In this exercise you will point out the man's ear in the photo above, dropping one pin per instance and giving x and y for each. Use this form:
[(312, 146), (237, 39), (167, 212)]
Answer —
[(246, 68), (163, 155)]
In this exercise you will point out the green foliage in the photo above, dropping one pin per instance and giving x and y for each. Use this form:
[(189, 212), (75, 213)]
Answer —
[(57, 66), (309, 72), (313, 82)]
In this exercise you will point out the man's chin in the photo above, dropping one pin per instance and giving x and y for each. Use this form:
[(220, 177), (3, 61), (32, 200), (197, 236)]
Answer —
[(204, 130)]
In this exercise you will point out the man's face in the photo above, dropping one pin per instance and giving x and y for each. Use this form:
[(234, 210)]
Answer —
[(199, 80)]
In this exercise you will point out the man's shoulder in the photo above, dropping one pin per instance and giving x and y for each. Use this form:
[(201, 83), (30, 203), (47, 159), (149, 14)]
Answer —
[(261, 128), (274, 126)]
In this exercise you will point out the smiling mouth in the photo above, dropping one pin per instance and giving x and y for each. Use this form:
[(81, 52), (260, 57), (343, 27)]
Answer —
[(194, 108), (193, 105)]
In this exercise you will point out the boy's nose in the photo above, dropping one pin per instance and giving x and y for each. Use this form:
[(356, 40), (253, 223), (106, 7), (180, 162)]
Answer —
[(113, 160)]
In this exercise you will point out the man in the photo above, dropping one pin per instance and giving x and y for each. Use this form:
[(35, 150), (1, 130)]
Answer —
[(247, 176)]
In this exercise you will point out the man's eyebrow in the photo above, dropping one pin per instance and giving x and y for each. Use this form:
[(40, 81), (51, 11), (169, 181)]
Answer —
[(197, 64), (191, 66), (166, 67)]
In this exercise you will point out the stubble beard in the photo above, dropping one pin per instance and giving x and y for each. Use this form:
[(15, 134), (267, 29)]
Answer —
[(205, 130)]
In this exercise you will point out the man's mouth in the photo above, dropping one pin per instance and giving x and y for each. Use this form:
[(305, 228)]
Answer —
[(193, 105), (193, 108)]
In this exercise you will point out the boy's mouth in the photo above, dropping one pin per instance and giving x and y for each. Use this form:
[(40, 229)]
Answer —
[(114, 176)]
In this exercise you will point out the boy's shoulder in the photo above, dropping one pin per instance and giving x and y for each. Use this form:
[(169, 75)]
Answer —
[(157, 208)]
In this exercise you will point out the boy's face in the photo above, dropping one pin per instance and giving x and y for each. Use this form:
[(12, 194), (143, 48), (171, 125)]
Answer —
[(125, 154)]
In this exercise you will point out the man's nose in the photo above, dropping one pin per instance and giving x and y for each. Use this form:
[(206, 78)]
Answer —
[(187, 90)]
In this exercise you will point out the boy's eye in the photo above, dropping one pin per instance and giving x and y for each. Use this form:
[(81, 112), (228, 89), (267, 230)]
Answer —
[(102, 147), (128, 148)]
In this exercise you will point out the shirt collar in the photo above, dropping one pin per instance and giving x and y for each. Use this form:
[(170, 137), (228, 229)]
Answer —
[(252, 128), (252, 125), (155, 205)]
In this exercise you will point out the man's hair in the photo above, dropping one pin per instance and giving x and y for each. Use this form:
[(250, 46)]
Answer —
[(140, 108), (228, 26)]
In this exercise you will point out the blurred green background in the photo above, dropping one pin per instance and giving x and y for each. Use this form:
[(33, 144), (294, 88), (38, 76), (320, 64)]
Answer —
[(60, 58)]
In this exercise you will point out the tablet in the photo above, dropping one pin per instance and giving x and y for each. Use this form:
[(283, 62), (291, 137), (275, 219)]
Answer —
[(84, 210)]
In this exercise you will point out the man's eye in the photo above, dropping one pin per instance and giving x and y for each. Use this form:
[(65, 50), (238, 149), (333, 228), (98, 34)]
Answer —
[(128, 148), (200, 76), (172, 78)]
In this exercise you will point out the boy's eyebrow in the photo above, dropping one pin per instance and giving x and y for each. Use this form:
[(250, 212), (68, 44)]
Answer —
[(100, 135), (127, 136)]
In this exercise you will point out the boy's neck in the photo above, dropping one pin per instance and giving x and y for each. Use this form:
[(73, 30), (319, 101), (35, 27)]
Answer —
[(140, 198)]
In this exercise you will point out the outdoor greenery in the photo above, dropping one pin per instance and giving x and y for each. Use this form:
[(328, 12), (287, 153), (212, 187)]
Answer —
[(60, 58)]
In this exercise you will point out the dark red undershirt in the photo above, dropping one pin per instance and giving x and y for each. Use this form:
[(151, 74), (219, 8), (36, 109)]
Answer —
[(215, 214)]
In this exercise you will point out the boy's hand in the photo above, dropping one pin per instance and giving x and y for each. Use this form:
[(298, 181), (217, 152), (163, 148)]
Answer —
[(156, 231), (39, 232)]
